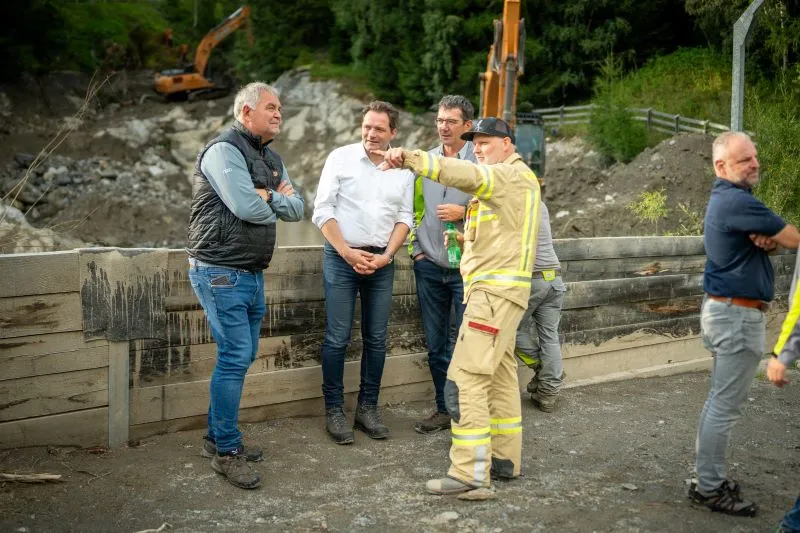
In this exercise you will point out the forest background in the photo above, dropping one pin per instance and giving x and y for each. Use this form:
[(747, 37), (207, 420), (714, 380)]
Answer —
[(672, 55)]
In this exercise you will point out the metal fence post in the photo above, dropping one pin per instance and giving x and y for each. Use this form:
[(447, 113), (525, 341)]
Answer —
[(649, 118), (705, 127), (677, 123), (560, 116)]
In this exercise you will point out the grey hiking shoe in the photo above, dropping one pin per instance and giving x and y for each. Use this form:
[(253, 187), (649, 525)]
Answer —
[(337, 427), (533, 384), (544, 402), (368, 420), (436, 422), (727, 498), (251, 453), (236, 470)]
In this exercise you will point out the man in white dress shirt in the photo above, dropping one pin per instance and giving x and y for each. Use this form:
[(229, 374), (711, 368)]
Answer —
[(365, 215)]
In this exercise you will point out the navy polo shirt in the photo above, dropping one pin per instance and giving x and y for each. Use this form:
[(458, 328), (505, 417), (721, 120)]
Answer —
[(735, 267)]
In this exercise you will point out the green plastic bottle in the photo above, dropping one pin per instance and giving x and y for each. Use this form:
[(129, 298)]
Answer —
[(453, 249)]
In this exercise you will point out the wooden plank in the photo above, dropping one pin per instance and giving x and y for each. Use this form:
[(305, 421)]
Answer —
[(80, 428), (118, 394), (600, 292), (46, 344), (274, 353), (281, 288), (21, 366), (146, 405), (35, 315), (631, 267), (41, 273), (54, 393), (609, 339), (390, 396), (190, 399), (592, 365), (612, 247)]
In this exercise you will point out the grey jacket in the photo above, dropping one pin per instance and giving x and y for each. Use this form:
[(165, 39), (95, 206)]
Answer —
[(427, 237), (788, 346)]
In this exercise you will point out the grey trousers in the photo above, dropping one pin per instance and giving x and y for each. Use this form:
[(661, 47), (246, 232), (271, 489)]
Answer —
[(537, 335), (735, 336)]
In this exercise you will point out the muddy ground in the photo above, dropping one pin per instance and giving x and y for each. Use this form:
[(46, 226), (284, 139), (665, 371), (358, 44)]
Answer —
[(613, 457)]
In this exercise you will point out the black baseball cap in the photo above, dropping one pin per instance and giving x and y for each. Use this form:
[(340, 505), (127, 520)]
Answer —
[(489, 126)]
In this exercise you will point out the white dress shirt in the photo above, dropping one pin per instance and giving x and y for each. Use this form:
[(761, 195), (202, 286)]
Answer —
[(365, 201)]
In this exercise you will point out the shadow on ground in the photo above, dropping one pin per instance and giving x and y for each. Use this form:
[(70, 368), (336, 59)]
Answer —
[(613, 457)]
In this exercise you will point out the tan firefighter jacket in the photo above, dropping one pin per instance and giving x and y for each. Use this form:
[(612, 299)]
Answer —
[(502, 220)]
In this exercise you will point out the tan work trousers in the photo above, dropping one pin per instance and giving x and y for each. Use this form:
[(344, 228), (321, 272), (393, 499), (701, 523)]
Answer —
[(482, 392)]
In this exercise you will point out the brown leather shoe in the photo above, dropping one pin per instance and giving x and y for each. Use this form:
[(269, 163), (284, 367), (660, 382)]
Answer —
[(433, 424)]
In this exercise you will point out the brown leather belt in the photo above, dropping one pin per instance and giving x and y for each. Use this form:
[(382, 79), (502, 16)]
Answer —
[(742, 302)]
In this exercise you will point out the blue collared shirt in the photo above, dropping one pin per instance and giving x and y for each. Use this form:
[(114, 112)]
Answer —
[(735, 267)]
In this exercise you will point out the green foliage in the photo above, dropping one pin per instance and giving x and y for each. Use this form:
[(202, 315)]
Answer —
[(690, 222), (651, 207), (612, 130), (777, 127)]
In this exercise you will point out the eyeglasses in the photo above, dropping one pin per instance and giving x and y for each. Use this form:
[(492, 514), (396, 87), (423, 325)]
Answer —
[(449, 121)]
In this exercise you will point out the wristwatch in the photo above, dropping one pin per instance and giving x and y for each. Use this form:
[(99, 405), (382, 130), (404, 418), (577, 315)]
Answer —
[(391, 258), (269, 194)]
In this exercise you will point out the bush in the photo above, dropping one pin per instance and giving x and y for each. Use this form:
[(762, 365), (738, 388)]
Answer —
[(612, 130)]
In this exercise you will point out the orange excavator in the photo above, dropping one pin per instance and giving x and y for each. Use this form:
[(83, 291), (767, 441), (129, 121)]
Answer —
[(193, 81), (504, 66)]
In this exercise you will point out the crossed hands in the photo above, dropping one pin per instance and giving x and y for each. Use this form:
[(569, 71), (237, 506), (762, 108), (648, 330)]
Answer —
[(364, 263), (284, 187), (763, 242)]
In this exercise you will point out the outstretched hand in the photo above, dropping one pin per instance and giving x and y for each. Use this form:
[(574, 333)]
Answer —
[(392, 158)]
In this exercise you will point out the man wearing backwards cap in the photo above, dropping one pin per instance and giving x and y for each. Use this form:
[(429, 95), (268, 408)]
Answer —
[(499, 240)]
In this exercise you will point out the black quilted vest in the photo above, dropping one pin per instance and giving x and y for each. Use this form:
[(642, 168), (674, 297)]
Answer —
[(216, 235)]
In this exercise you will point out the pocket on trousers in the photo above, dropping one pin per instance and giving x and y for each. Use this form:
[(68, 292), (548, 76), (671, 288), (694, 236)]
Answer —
[(218, 279), (476, 344)]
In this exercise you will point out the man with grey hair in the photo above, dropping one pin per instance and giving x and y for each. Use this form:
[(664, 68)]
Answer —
[(738, 282), (440, 289), (240, 189)]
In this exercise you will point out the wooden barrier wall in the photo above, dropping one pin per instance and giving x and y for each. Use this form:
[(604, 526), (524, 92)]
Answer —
[(102, 346)]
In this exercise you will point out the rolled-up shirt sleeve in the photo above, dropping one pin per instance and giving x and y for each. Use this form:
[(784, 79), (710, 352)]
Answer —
[(226, 170), (287, 208), (327, 192)]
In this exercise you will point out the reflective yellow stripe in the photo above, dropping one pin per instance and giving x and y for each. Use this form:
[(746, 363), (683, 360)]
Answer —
[(507, 431), (484, 192), (514, 420), (436, 168), (788, 323), (528, 250), (466, 431), (471, 437), (506, 426), (499, 272), (486, 214), (426, 164), (526, 359)]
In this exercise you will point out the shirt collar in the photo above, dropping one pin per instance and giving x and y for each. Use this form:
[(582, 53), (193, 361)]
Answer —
[(462, 154), (721, 183)]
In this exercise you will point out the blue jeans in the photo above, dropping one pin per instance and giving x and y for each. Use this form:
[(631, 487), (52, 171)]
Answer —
[(440, 292), (342, 284), (791, 522), (537, 335), (735, 336), (233, 301)]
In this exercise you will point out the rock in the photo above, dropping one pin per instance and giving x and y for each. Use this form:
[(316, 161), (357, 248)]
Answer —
[(629, 486), (443, 518), (24, 160)]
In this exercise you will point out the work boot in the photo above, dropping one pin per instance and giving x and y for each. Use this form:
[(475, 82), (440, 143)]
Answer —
[(727, 498), (236, 470), (337, 427), (368, 420), (447, 485), (533, 384), (544, 402), (436, 422), (251, 453)]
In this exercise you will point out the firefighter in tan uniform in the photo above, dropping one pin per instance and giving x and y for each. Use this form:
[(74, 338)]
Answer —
[(482, 392)]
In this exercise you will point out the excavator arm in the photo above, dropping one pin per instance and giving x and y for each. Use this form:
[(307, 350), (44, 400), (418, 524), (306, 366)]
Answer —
[(235, 21)]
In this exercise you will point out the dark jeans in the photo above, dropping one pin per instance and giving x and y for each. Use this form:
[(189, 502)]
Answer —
[(440, 292), (233, 301), (342, 284)]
